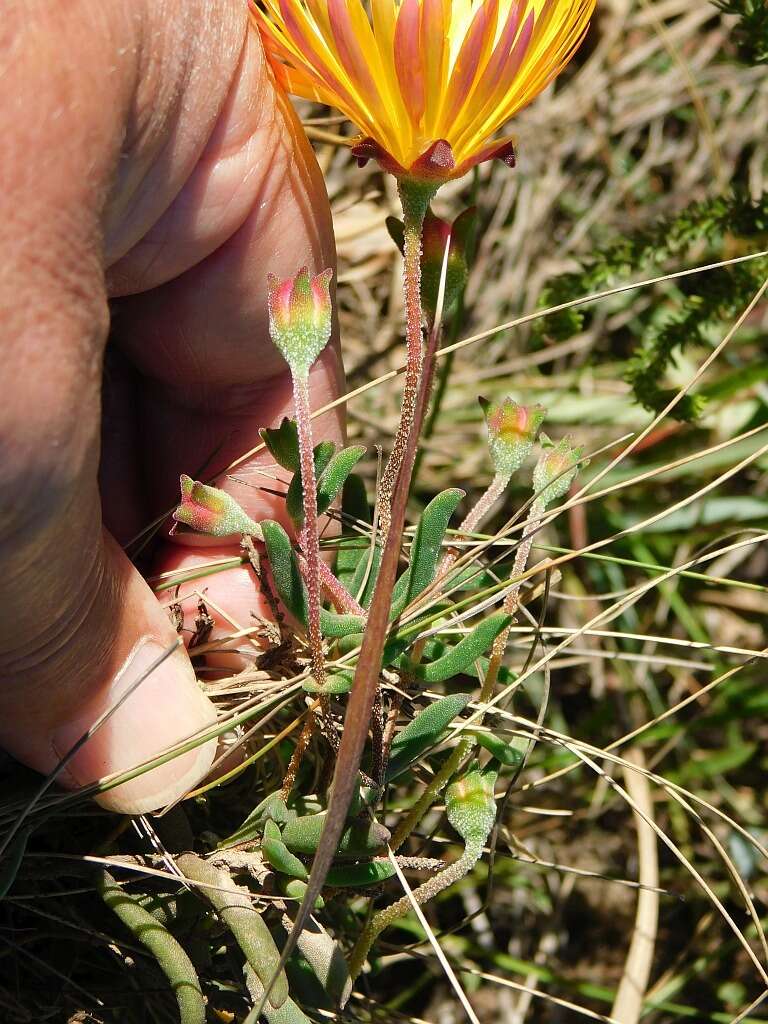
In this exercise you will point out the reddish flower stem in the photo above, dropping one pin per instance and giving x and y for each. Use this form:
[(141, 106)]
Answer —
[(512, 599), (415, 200), (333, 587), (475, 516), (312, 547)]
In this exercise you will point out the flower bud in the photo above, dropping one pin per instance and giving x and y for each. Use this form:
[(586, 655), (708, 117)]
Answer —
[(212, 511), (470, 804), (300, 317), (512, 431), (435, 238), (556, 469)]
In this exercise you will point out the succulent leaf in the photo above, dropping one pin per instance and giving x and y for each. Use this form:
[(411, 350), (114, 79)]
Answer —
[(459, 658), (423, 732), (426, 549), (302, 835), (283, 444)]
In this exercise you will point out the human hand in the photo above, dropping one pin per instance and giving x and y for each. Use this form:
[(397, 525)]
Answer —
[(145, 158)]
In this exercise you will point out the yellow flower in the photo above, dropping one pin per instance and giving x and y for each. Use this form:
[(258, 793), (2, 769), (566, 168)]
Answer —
[(427, 82)]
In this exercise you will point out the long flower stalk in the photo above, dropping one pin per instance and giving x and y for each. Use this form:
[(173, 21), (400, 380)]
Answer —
[(554, 473), (415, 198), (423, 894), (331, 584), (512, 599), (310, 531), (471, 809), (476, 515)]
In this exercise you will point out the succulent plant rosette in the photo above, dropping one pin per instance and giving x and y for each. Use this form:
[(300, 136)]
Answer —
[(431, 86)]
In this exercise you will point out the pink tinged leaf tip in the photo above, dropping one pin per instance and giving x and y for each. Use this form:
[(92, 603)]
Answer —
[(300, 317), (210, 510)]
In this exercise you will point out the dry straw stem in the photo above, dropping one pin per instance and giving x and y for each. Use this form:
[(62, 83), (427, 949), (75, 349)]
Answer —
[(628, 1004)]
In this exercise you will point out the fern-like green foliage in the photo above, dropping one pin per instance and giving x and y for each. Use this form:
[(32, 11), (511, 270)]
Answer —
[(728, 292), (711, 300), (751, 32)]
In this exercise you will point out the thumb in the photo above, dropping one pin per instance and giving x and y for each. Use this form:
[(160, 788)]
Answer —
[(86, 630), (78, 626)]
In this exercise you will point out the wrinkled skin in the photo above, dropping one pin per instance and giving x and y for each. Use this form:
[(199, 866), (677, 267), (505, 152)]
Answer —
[(151, 177)]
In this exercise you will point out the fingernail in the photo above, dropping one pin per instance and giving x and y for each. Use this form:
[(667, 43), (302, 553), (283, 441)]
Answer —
[(167, 708)]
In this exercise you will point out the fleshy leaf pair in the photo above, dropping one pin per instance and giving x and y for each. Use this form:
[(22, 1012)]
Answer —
[(331, 467)]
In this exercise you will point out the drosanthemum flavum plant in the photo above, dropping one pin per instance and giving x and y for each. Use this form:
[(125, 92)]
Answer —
[(429, 83)]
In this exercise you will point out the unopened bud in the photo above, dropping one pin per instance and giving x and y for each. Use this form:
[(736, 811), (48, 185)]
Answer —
[(512, 432), (557, 468), (436, 235), (300, 317), (470, 804), (212, 511)]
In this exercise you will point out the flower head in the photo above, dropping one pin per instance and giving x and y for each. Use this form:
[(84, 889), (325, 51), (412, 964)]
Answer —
[(300, 317), (557, 468), (512, 431), (212, 511), (427, 82)]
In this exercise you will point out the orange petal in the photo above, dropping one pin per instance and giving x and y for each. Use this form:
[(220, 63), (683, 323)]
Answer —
[(435, 55), (472, 56), (408, 63)]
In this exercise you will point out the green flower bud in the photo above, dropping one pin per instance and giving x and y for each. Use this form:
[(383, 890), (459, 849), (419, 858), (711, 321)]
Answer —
[(470, 805), (557, 468), (212, 511), (512, 431), (300, 317)]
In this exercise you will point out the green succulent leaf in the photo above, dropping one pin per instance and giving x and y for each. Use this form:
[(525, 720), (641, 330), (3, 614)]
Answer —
[(271, 809), (283, 444), (357, 876), (294, 499), (505, 753), (459, 658), (277, 854), (334, 476), (296, 888), (336, 684), (285, 570), (353, 545), (292, 590), (424, 732), (426, 549), (335, 626), (302, 835), (271, 830)]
